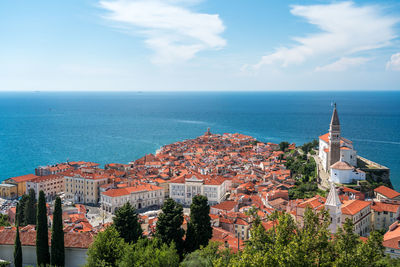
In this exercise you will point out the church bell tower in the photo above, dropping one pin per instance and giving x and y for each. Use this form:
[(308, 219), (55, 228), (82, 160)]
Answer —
[(334, 139)]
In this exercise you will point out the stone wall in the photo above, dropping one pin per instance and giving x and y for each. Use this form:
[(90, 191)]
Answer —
[(374, 171)]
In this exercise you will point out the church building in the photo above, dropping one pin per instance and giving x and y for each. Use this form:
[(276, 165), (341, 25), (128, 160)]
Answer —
[(337, 155)]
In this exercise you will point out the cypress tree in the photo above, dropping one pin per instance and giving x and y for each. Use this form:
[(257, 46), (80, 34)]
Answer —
[(57, 236), (127, 224), (199, 228), (17, 249), (20, 215), (169, 224), (42, 234), (30, 208)]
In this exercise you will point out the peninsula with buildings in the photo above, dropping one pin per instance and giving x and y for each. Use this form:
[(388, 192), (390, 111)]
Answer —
[(238, 174)]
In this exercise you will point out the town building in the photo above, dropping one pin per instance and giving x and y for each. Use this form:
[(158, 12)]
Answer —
[(343, 173), (384, 214), (140, 196), (359, 212), (20, 182), (52, 169), (76, 246), (51, 185), (391, 240), (225, 206), (8, 191), (184, 188), (385, 193), (82, 185)]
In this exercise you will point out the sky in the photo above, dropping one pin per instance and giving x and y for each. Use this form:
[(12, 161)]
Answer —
[(199, 45)]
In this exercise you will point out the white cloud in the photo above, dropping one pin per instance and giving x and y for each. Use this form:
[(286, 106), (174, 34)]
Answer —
[(343, 64), (346, 30), (171, 29), (394, 63)]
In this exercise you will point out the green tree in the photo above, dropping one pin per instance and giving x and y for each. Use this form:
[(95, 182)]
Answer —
[(20, 215), (150, 253), (283, 146), (127, 224), (169, 224), (42, 232), (209, 256), (57, 236), (199, 230), (346, 244), (107, 249), (313, 244), (289, 244), (30, 208), (371, 252), (4, 220), (17, 250)]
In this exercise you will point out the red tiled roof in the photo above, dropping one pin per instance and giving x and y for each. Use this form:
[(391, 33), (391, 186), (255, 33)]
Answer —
[(325, 138), (117, 192), (386, 191), (341, 165), (380, 206), (226, 205), (352, 207), (392, 237), (24, 178), (28, 238)]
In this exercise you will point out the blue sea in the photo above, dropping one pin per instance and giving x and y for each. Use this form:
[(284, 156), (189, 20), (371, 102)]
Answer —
[(40, 128)]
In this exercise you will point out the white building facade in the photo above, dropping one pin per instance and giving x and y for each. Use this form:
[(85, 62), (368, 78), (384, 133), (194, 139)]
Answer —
[(343, 173), (140, 196), (182, 189)]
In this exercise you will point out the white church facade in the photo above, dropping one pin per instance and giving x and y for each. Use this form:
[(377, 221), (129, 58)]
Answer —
[(337, 155)]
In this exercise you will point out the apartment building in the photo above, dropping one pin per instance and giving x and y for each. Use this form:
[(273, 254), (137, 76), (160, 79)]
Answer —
[(140, 196), (384, 214), (51, 185), (82, 185), (360, 213)]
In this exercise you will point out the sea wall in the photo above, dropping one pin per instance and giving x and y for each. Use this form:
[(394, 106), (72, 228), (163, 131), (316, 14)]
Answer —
[(374, 171)]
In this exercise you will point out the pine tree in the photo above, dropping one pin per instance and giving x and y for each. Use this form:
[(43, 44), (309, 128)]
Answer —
[(42, 234), (57, 236), (30, 208), (346, 243), (127, 224), (169, 224), (20, 215), (106, 250), (152, 253), (199, 228), (17, 250)]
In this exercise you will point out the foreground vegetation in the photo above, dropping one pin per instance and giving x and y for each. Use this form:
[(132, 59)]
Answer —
[(284, 244)]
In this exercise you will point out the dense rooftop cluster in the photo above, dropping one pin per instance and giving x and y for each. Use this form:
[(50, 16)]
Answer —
[(242, 178)]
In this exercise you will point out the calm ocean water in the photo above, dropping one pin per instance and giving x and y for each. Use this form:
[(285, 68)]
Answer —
[(46, 128)]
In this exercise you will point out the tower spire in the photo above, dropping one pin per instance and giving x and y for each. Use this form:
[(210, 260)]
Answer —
[(335, 117), (334, 138), (334, 207)]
